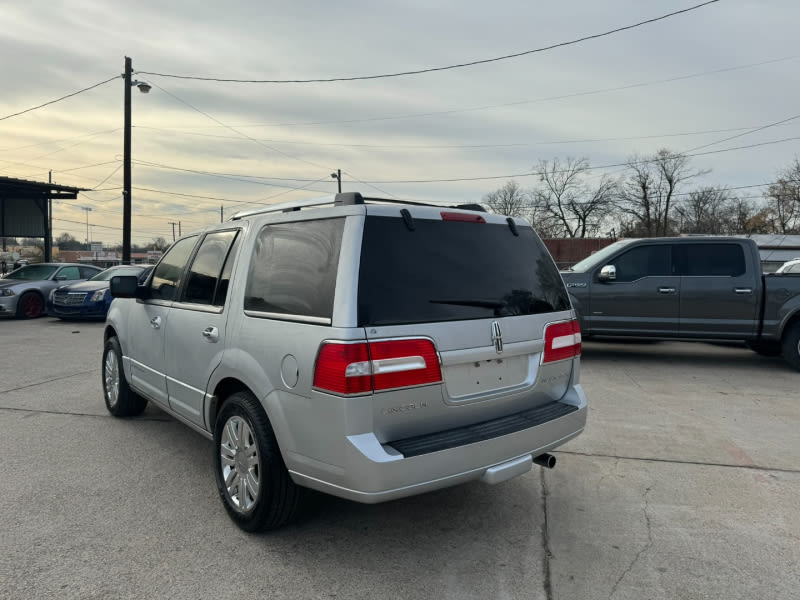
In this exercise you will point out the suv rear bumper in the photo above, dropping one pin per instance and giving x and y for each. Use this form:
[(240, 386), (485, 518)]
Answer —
[(377, 472)]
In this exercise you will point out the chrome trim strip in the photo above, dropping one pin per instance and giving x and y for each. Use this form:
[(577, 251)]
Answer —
[(288, 317)]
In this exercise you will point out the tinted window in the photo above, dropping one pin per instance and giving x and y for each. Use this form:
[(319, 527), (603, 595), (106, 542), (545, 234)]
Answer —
[(69, 273), (451, 270), (32, 273), (225, 278), (168, 273), (293, 269), (204, 274), (726, 260), (643, 261)]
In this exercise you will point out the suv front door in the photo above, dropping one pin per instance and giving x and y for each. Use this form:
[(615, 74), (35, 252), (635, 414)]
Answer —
[(195, 332), (147, 322)]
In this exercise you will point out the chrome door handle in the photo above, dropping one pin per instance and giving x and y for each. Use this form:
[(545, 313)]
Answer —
[(156, 322), (742, 290), (211, 334), (666, 290)]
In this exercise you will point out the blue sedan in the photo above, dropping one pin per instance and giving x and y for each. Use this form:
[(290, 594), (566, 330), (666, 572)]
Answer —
[(90, 299)]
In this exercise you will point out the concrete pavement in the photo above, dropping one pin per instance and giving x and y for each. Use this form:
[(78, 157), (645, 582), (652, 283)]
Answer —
[(684, 485)]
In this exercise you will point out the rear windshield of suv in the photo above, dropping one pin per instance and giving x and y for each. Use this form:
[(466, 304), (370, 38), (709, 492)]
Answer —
[(453, 270)]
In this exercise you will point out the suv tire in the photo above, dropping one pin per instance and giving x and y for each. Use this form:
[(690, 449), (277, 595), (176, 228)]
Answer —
[(121, 401), (244, 443), (791, 345)]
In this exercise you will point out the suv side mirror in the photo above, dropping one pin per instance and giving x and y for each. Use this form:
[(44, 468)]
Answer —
[(124, 286), (608, 273)]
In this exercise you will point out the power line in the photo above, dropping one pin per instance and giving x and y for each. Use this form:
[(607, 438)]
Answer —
[(254, 179), (733, 137), (249, 178), (520, 102), (244, 135), (69, 139), (91, 87), (465, 146), (449, 67)]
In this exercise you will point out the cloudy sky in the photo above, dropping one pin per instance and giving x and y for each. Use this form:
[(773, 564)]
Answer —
[(700, 82)]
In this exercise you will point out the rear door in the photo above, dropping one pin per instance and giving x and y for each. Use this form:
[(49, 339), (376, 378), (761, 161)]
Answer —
[(483, 292), (195, 331), (719, 296), (644, 298)]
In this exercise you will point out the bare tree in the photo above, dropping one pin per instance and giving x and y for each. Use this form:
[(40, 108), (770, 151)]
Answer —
[(159, 243), (570, 204), (783, 200), (705, 210), (649, 188), (743, 216), (510, 200)]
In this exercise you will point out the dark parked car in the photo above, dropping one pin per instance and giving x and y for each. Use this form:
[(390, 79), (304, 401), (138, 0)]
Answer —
[(90, 299), (23, 291)]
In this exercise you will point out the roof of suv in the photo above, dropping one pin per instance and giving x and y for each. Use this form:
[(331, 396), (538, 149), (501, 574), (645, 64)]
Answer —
[(345, 199)]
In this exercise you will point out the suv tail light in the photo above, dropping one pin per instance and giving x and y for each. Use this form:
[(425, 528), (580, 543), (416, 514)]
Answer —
[(365, 367), (562, 341)]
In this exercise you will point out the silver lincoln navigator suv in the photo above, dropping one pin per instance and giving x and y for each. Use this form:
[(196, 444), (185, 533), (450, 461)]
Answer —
[(367, 348)]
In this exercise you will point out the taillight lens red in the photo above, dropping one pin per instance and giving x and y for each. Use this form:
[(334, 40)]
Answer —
[(366, 367), (336, 369), (562, 341)]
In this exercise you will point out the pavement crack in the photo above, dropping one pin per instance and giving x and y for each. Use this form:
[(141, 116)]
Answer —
[(548, 582), (30, 385), (78, 414), (646, 547), (675, 461)]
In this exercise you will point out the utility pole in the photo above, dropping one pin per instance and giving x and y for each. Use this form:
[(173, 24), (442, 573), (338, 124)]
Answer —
[(179, 229), (48, 242), (221, 218), (126, 167), (173, 223), (338, 177), (87, 209)]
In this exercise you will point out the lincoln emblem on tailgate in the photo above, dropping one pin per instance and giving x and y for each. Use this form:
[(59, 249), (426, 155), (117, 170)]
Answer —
[(497, 337)]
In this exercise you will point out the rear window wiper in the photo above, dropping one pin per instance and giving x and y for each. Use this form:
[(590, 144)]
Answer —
[(492, 304)]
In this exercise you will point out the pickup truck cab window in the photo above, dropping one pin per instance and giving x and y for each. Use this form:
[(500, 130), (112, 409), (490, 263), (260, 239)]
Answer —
[(644, 261), (712, 260)]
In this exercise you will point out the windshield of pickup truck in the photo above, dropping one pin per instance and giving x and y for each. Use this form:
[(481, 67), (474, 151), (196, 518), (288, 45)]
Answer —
[(598, 258)]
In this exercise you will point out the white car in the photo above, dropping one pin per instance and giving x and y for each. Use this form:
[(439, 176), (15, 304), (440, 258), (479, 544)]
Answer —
[(790, 266)]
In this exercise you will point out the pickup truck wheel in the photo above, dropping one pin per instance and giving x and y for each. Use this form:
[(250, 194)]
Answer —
[(791, 345), (252, 479), (121, 400)]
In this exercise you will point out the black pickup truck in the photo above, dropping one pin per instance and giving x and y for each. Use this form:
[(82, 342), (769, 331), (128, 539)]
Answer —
[(709, 288)]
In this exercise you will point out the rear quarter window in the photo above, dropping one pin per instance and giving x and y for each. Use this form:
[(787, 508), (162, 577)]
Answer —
[(293, 268), (451, 270)]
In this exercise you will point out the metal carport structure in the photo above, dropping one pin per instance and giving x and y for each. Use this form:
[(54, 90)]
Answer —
[(26, 209)]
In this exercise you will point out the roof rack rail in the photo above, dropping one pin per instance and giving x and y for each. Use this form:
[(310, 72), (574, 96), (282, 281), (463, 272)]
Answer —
[(343, 199)]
